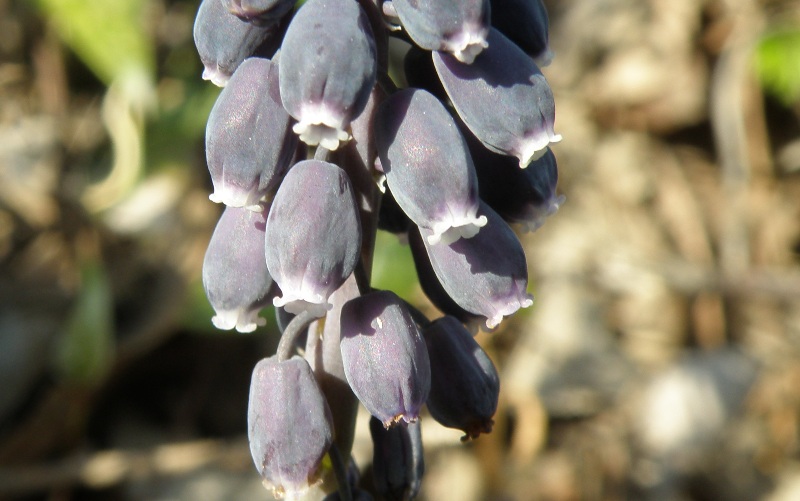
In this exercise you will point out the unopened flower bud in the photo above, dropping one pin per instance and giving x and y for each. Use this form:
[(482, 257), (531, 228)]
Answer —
[(465, 386), (328, 68), (397, 459), (486, 274), (458, 28), (428, 166), (289, 425), (523, 196), (313, 237), (235, 275), (525, 23), (384, 357), (522, 108), (249, 141)]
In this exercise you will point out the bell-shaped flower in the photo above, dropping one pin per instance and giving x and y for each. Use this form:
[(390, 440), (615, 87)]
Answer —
[(465, 386), (503, 98), (313, 236), (235, 275), (328, 68), (522, 196), (428, 166), (259, 11), (455, 27), (397, 459), (249, 141), (223, 40), (384, 357), (525, 23), (431, 286), (289, 425), (487, 274)]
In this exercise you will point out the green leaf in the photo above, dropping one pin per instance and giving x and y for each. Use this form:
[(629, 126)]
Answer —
[(86, 349), (108, 35), (777, 63), (393, 267)]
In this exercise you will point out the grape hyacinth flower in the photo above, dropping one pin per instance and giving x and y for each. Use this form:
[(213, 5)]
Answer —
[(431, 286), (224, 41), (523, 111), (249, 141), (465, 386), (397, 460), (235, 275), (384, 357), (525, 22), (428, 166), (288, 425), (487, 274), (456, 27), (329, 68), (522, 196), (313, 236)]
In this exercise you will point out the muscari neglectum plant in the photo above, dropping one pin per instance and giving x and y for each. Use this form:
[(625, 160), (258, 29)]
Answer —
[(313, 148)]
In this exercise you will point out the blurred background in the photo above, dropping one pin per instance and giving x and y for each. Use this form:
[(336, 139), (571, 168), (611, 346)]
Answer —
[(661, 358)]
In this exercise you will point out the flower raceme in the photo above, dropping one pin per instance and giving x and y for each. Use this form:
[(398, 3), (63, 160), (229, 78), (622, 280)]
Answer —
[(307, 127)]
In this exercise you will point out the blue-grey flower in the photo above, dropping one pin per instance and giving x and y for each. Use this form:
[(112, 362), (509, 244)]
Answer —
[(235, 275), (313, 236), (289, 425), (223, 40), (458, 27), (428, 166), (465, 386), (503, 98), (249, 141), (384, 357), (329, 66), (487, 274)]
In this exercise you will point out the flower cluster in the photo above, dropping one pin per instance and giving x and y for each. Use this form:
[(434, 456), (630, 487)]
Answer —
[(312, 148)]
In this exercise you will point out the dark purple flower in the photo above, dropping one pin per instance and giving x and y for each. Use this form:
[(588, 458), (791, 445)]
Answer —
[(503, 98), (384, 357), (235, 275), (525, 23), (465, 386), (397, 459), (428, 166), (289, 425), (313, 237), (328, 68), (487, 274), (249, 141)]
